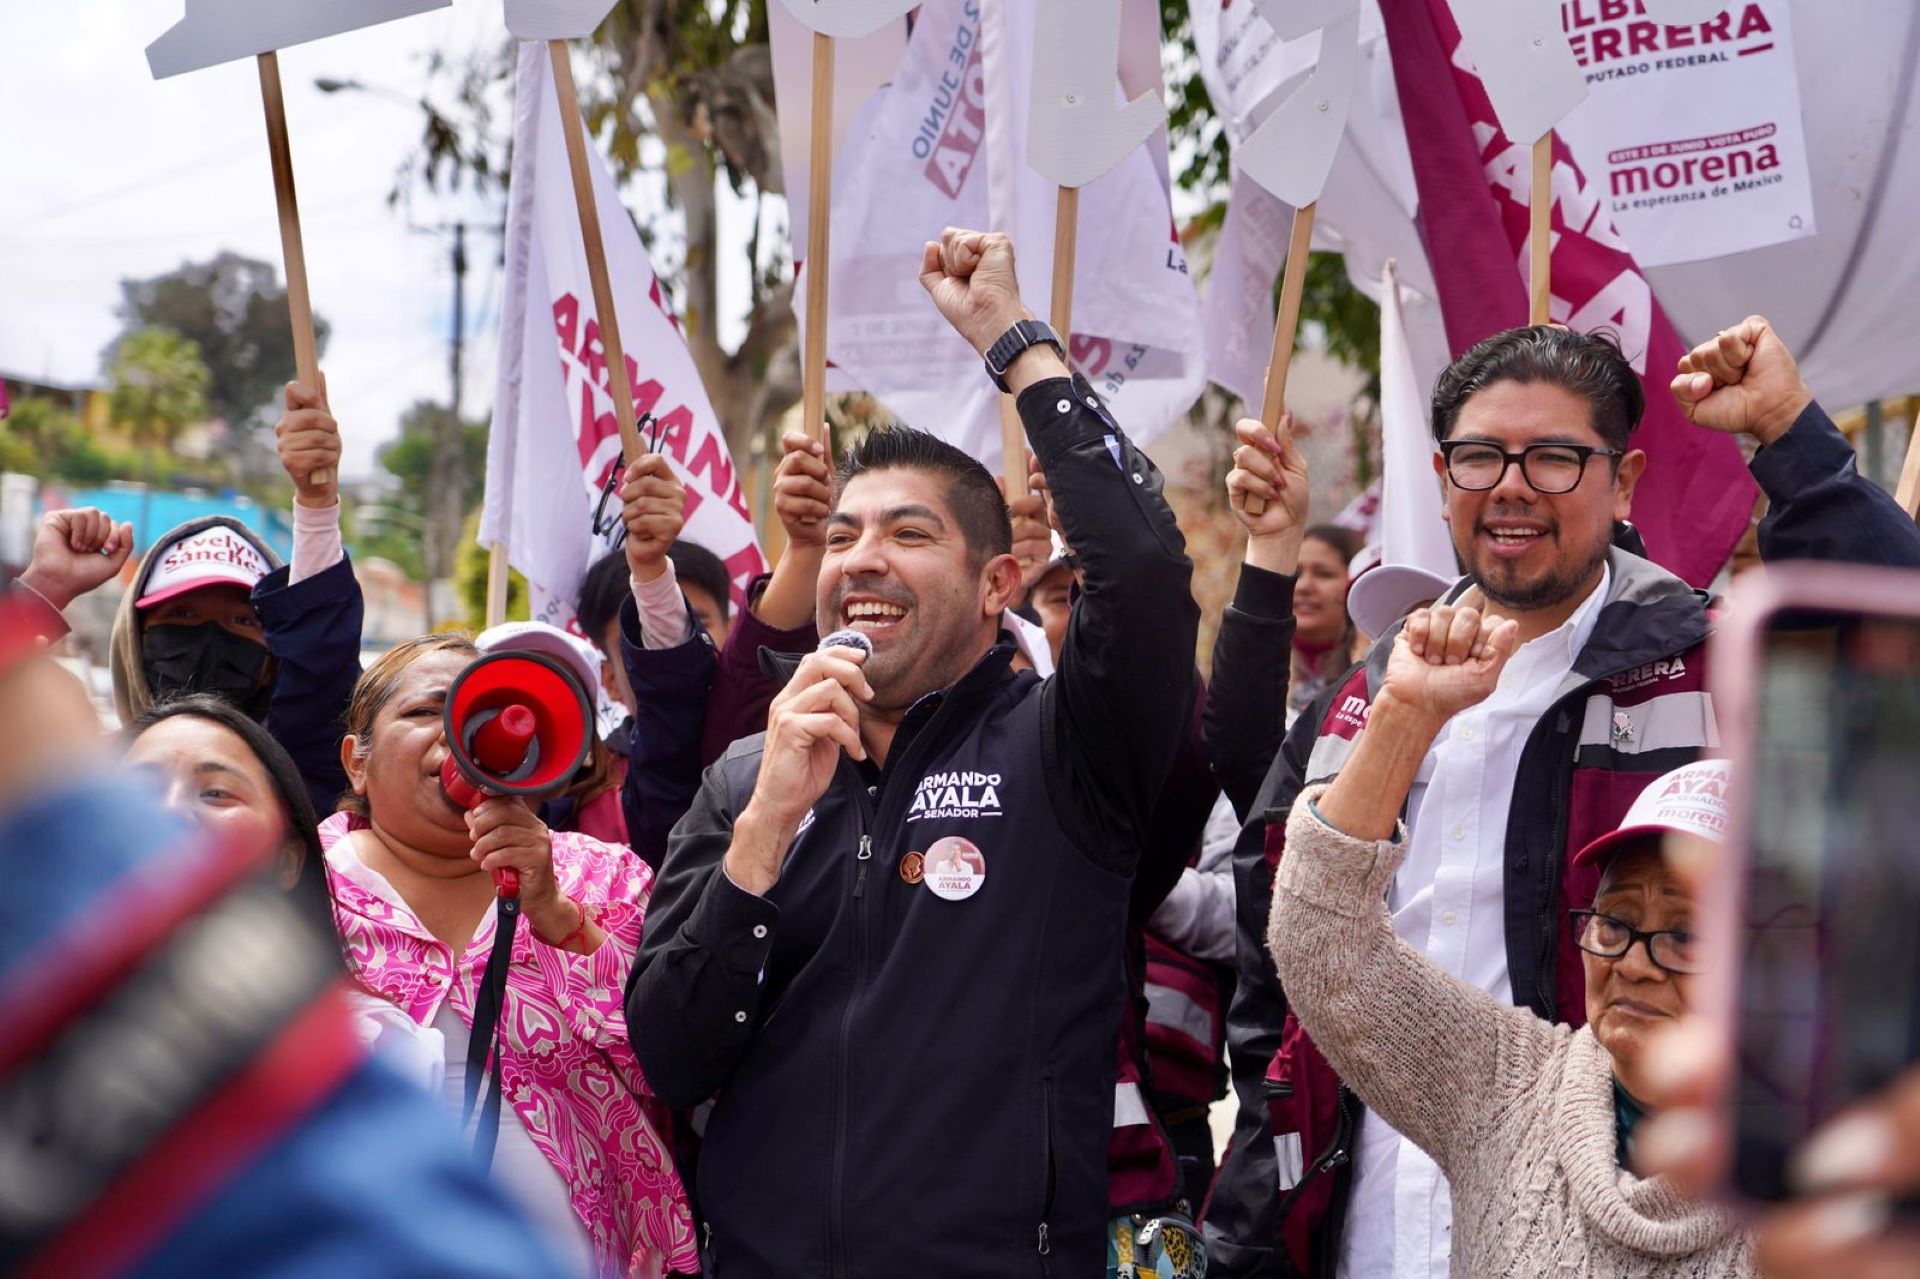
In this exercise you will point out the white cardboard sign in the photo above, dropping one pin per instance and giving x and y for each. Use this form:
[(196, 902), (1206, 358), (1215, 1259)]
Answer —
[(216, 31), (1292, 151), (848, 19), (556, 19), (1076, 131), (1524, 61)]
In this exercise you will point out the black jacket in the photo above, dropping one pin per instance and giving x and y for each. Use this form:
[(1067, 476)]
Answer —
[(909, 1085)]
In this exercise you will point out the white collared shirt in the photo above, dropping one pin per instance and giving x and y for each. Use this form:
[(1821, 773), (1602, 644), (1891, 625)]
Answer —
[(1448, 902)]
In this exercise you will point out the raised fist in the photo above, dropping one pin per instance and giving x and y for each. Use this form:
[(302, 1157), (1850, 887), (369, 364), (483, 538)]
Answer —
[(74, 552), (1743, 382), (970, 277)]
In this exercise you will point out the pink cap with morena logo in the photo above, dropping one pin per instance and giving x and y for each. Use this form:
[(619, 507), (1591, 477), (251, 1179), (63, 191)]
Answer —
[(215, 556), (1691, 800)]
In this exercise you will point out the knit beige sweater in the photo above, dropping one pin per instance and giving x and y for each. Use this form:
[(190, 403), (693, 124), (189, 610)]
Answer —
[(1517, 1112)]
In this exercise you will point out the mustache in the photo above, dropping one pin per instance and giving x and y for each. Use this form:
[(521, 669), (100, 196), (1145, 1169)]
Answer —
[(882, 589), (1548, 524)]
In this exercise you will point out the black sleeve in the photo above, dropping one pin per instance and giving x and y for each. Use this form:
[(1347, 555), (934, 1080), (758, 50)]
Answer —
[(694, 993), (312, 629), (1241, 1226), (1118, 702), (670, 688), (1822, 508), (1173, 831), (1247, 702)]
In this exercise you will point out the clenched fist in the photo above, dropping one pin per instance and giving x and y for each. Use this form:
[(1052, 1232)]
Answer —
[(1743, 382), (74, 552), (970, 277)]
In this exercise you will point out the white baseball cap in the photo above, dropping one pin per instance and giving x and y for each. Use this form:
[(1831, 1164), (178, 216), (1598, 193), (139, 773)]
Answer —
[(1382, 595), (214, 556), (1691, 799), (578, 656)]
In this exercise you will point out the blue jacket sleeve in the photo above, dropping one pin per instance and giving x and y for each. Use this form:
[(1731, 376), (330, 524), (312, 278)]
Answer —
[(323, 1201), (313, 630), (1822, 508), (670, 689)]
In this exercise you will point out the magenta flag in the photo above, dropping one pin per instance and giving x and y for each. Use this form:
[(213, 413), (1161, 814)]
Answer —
[(1696, 497)]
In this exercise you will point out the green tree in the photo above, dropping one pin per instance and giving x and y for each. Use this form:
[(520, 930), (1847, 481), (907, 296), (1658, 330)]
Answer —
[(395, 530), (235, 309), (160, 385), (159, 390), (470, 580)]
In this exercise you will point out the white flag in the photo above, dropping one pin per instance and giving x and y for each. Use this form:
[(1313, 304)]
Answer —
[(555, 441), (943, 144), (1412, 533)]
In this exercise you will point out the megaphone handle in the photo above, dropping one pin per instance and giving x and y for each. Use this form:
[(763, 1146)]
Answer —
[(506, 882)]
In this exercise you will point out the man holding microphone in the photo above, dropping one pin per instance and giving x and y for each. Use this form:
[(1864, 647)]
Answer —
[(914, 1067)]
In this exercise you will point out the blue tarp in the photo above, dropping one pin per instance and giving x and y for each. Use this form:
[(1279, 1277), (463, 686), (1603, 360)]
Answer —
[(168, 509)]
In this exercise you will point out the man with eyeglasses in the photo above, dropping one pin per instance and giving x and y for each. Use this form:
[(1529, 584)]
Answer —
[(1605, 692)]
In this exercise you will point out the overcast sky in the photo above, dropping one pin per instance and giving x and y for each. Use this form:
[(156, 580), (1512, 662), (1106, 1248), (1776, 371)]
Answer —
[(107, 174)]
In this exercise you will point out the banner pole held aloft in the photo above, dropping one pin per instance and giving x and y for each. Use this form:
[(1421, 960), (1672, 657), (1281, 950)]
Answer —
[(1540, 242), (306, 352), (574, 126), (813, 381), (1286, 327)]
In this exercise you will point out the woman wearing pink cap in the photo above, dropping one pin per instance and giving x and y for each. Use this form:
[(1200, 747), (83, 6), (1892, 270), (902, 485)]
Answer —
[(1531, 1122)]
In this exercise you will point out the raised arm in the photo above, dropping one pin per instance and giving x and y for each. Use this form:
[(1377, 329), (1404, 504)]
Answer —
[(1246, 708), (780, 616), (311, 610), (1431, 1055), (669, 662), (74, 552), (1118, 703), (1745, 382)]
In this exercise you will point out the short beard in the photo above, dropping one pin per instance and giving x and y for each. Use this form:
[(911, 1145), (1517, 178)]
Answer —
[(1551, 590)]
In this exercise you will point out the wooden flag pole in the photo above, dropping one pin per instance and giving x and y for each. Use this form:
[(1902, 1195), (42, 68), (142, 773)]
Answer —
[(1066, 239), (496, 585), (1908, 491), (574, 126), (813, 370), (1286, 327), (1540, 241), (306, 354)]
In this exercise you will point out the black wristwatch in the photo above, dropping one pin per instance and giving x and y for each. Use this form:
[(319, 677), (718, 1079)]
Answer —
[(1002, 354)]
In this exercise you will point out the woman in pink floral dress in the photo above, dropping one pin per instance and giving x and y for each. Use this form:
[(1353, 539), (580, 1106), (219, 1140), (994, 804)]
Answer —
[(581, 1144)]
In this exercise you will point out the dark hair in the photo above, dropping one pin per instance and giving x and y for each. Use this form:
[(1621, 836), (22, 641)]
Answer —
[(1589, 365), (602, 591), (695, 565), (1342, 539), (971, 494), (309, 880)]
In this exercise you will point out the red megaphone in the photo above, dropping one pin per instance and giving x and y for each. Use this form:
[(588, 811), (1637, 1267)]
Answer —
[(517, 723)]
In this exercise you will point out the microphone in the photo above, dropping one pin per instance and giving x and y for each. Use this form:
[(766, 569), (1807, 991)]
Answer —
[(848, 638)]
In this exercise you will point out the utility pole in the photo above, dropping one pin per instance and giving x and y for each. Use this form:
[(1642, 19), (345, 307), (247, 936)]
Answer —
[(448, 472)]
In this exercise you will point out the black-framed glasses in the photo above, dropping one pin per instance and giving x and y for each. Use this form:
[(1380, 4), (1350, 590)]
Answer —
[(1476, 465), (1674, 949)]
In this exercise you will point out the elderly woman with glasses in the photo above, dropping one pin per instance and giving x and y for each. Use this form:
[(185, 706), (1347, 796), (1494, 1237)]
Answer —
[(1531, 1122)]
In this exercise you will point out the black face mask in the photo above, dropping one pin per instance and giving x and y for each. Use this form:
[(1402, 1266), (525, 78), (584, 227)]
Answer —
[(206, 658)]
